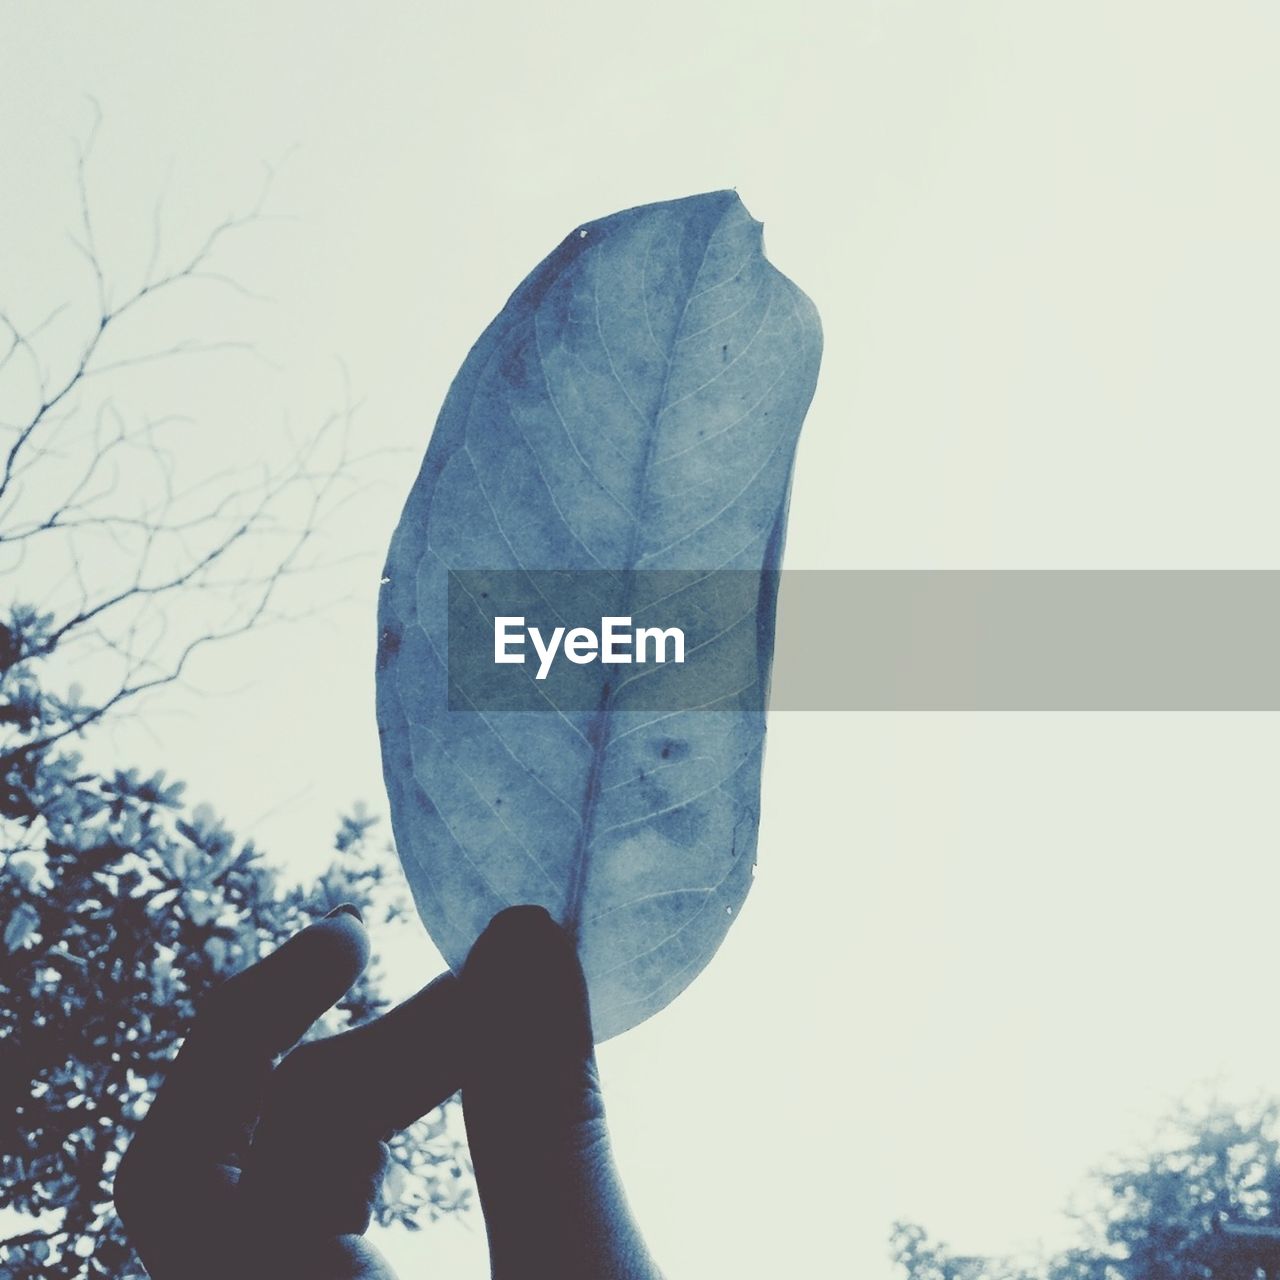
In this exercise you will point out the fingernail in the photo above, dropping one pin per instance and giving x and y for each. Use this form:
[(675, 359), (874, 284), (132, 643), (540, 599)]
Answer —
[(349, 908)]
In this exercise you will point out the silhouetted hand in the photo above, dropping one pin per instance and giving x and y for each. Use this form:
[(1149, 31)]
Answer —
[(183, 1190), (247, 1168)]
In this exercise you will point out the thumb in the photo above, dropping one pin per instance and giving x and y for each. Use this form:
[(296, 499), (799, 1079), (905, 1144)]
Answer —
[(529, 1057), (552, 1201)]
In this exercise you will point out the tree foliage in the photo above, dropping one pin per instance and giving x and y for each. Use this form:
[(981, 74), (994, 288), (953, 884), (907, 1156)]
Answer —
[(1156, 1215)]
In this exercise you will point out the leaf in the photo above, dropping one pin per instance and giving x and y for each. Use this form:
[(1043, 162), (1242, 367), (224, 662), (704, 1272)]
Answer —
[(24, 923), (395, 1184), (635, 405)]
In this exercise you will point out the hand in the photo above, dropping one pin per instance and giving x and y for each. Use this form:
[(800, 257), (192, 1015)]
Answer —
[(203, 1190), (248, 1169)]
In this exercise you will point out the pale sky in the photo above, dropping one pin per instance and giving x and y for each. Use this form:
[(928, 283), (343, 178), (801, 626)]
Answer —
[(982, 951)]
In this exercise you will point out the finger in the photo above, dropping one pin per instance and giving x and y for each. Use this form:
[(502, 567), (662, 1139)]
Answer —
[(213, 1091), (327, 1185), (375, 1078), (529, 1041), (330, 1101), (553, 1203), (266, 1009)]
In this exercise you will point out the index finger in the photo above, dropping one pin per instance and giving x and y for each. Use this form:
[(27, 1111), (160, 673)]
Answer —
[(266, 1009)]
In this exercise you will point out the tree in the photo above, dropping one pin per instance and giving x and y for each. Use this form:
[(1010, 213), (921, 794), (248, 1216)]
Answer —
[(120, 905), (1164, 1213)]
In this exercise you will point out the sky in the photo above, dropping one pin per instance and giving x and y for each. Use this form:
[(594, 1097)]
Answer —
[(983, 951)]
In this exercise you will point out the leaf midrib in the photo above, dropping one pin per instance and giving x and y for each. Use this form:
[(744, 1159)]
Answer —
[(597, 735)]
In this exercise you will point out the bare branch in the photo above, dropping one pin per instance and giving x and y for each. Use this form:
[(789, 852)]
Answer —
[(141, 566), (85, 363), (30, 1237), (89, 248)]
